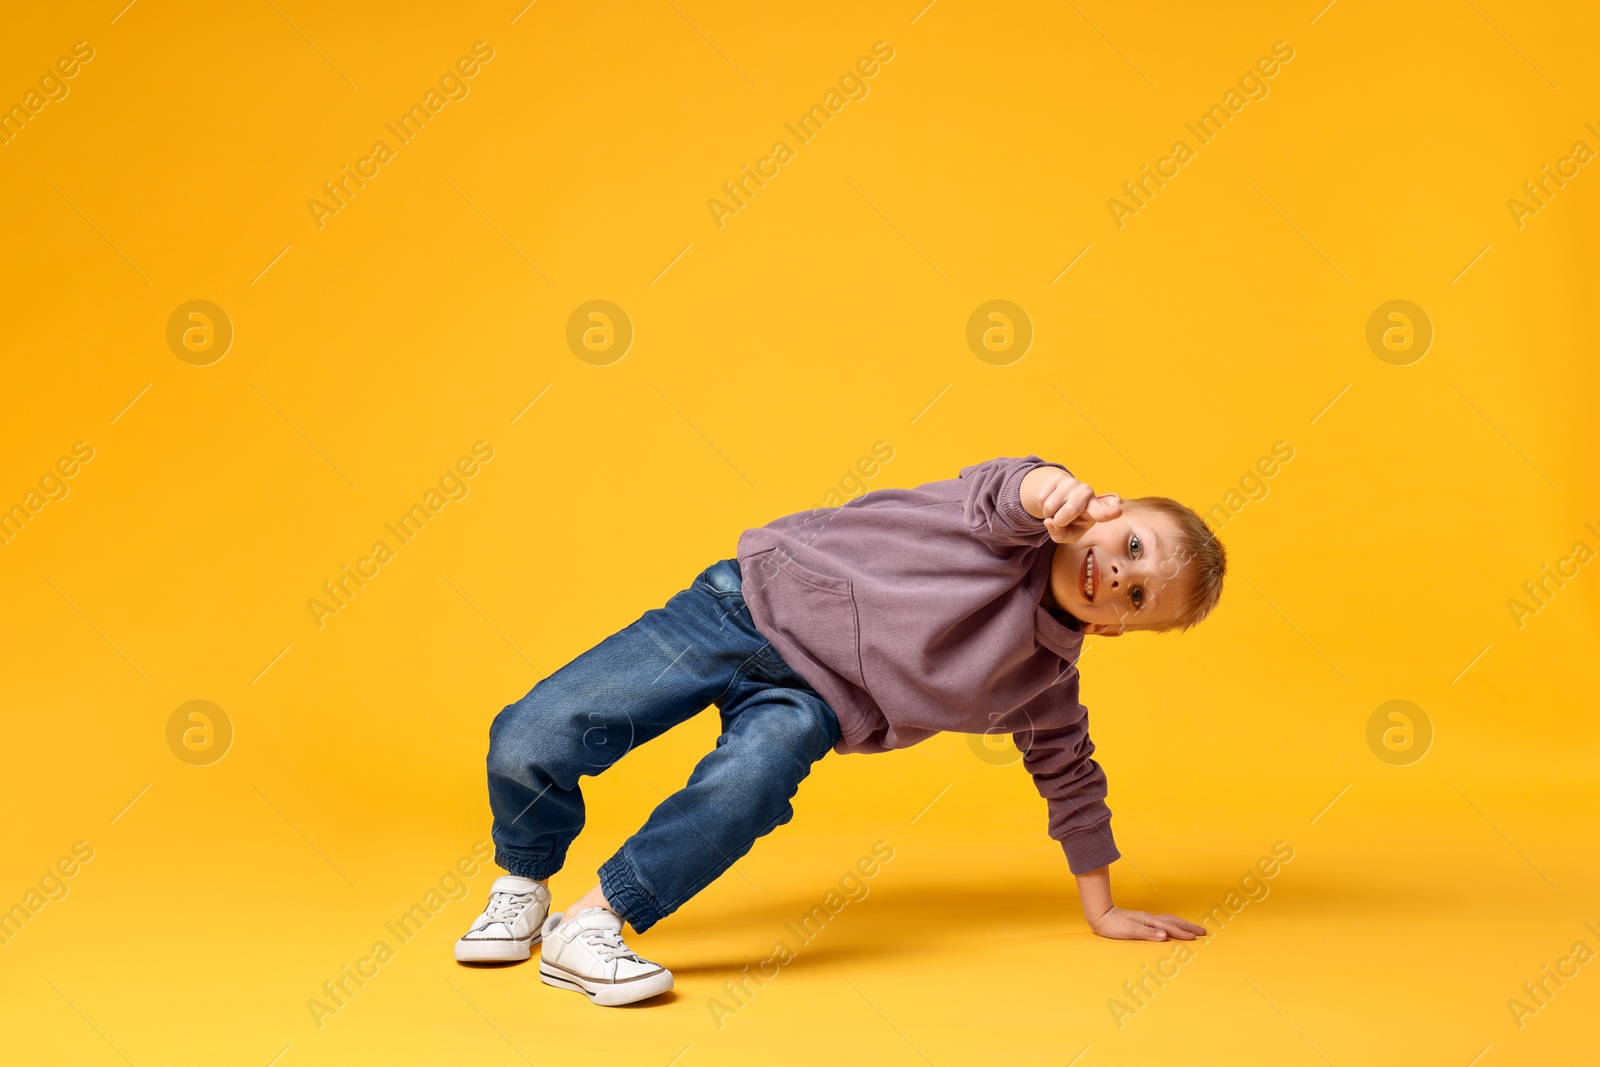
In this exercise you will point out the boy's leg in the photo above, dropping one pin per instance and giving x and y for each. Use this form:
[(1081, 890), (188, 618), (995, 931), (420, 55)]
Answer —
[(772, 735), (664, 668)]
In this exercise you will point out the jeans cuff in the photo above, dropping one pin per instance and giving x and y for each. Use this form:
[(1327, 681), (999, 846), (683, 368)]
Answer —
[(537, 866), (619, 881)]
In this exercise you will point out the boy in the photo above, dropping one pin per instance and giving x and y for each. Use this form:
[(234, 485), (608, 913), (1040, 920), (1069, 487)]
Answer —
[(959, 605)]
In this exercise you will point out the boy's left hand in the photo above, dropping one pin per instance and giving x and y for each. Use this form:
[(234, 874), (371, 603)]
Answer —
[(1142, 926)]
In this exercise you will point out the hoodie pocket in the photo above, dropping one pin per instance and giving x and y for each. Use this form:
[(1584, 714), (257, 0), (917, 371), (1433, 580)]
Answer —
[(814, 610)]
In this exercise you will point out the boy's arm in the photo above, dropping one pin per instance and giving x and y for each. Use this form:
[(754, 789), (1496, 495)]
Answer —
[(1058, 752), (1060, 758), (992, 502), (1028, 500)]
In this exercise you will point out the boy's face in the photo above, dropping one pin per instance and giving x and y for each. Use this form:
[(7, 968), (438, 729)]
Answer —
[(1122, 574)]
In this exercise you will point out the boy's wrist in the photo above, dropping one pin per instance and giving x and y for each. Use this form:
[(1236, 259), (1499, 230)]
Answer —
[(1029, 491), (1094, 894)]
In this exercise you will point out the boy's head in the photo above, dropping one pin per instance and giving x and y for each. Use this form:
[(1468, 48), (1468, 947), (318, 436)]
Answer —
[(1157, 566)]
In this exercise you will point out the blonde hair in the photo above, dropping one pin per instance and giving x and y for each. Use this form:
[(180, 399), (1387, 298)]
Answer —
[(1199, 552)]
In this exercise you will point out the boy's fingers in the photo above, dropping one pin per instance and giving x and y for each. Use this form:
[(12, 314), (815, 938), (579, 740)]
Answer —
[(1070, 502), (1057, 497), (1104, 508), (1144, 925), (1180, 928), (1070, 532)]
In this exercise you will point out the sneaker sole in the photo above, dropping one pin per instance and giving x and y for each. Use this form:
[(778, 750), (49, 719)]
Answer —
[(608, 994), (474, 950)]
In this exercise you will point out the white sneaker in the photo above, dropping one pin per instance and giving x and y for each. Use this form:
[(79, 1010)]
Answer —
[(510, 925), (587, 954)]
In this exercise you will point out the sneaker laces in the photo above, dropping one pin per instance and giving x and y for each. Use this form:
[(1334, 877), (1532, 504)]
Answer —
[(505, 908), (609, 946)]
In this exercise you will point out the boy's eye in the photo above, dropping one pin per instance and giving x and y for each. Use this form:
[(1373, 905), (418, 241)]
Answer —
[(1133, 545), (1137, 596)]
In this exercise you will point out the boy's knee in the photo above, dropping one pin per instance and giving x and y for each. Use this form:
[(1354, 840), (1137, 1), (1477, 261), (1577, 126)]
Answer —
[(510, 758), (788, 737), (528, 735), (555, 740), (799, 724)]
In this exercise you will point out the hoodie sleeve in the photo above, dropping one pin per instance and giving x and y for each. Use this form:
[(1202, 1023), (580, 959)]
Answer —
[(991, 502), (1057, 751)]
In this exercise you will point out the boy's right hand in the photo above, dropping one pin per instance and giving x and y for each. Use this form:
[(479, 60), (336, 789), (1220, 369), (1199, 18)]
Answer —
[(1121, 925), (1108, 920), (1067, 506)]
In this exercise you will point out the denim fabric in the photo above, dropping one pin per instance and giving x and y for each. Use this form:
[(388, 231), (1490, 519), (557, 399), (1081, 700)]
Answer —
[(700, 648)]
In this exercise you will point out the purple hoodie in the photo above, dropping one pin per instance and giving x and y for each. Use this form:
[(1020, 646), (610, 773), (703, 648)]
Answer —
[(916, 611)]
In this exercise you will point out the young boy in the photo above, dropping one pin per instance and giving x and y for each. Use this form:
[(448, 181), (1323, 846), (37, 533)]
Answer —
[(960, 605)]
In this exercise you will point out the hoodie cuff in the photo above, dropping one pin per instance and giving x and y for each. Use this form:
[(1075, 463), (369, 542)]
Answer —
[(1090, 850), (1011, 509)]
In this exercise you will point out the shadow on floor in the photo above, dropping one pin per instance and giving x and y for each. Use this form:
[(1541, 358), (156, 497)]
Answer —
[(918, 921)]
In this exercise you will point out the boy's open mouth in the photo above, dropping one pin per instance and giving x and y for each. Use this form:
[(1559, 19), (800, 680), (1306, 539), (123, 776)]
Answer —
[(1089, 576)]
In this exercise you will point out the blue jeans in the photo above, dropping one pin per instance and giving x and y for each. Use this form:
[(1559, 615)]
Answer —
[(701, 648)]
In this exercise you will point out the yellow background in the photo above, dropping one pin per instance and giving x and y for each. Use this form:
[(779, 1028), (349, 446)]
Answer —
[(769, 356)]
